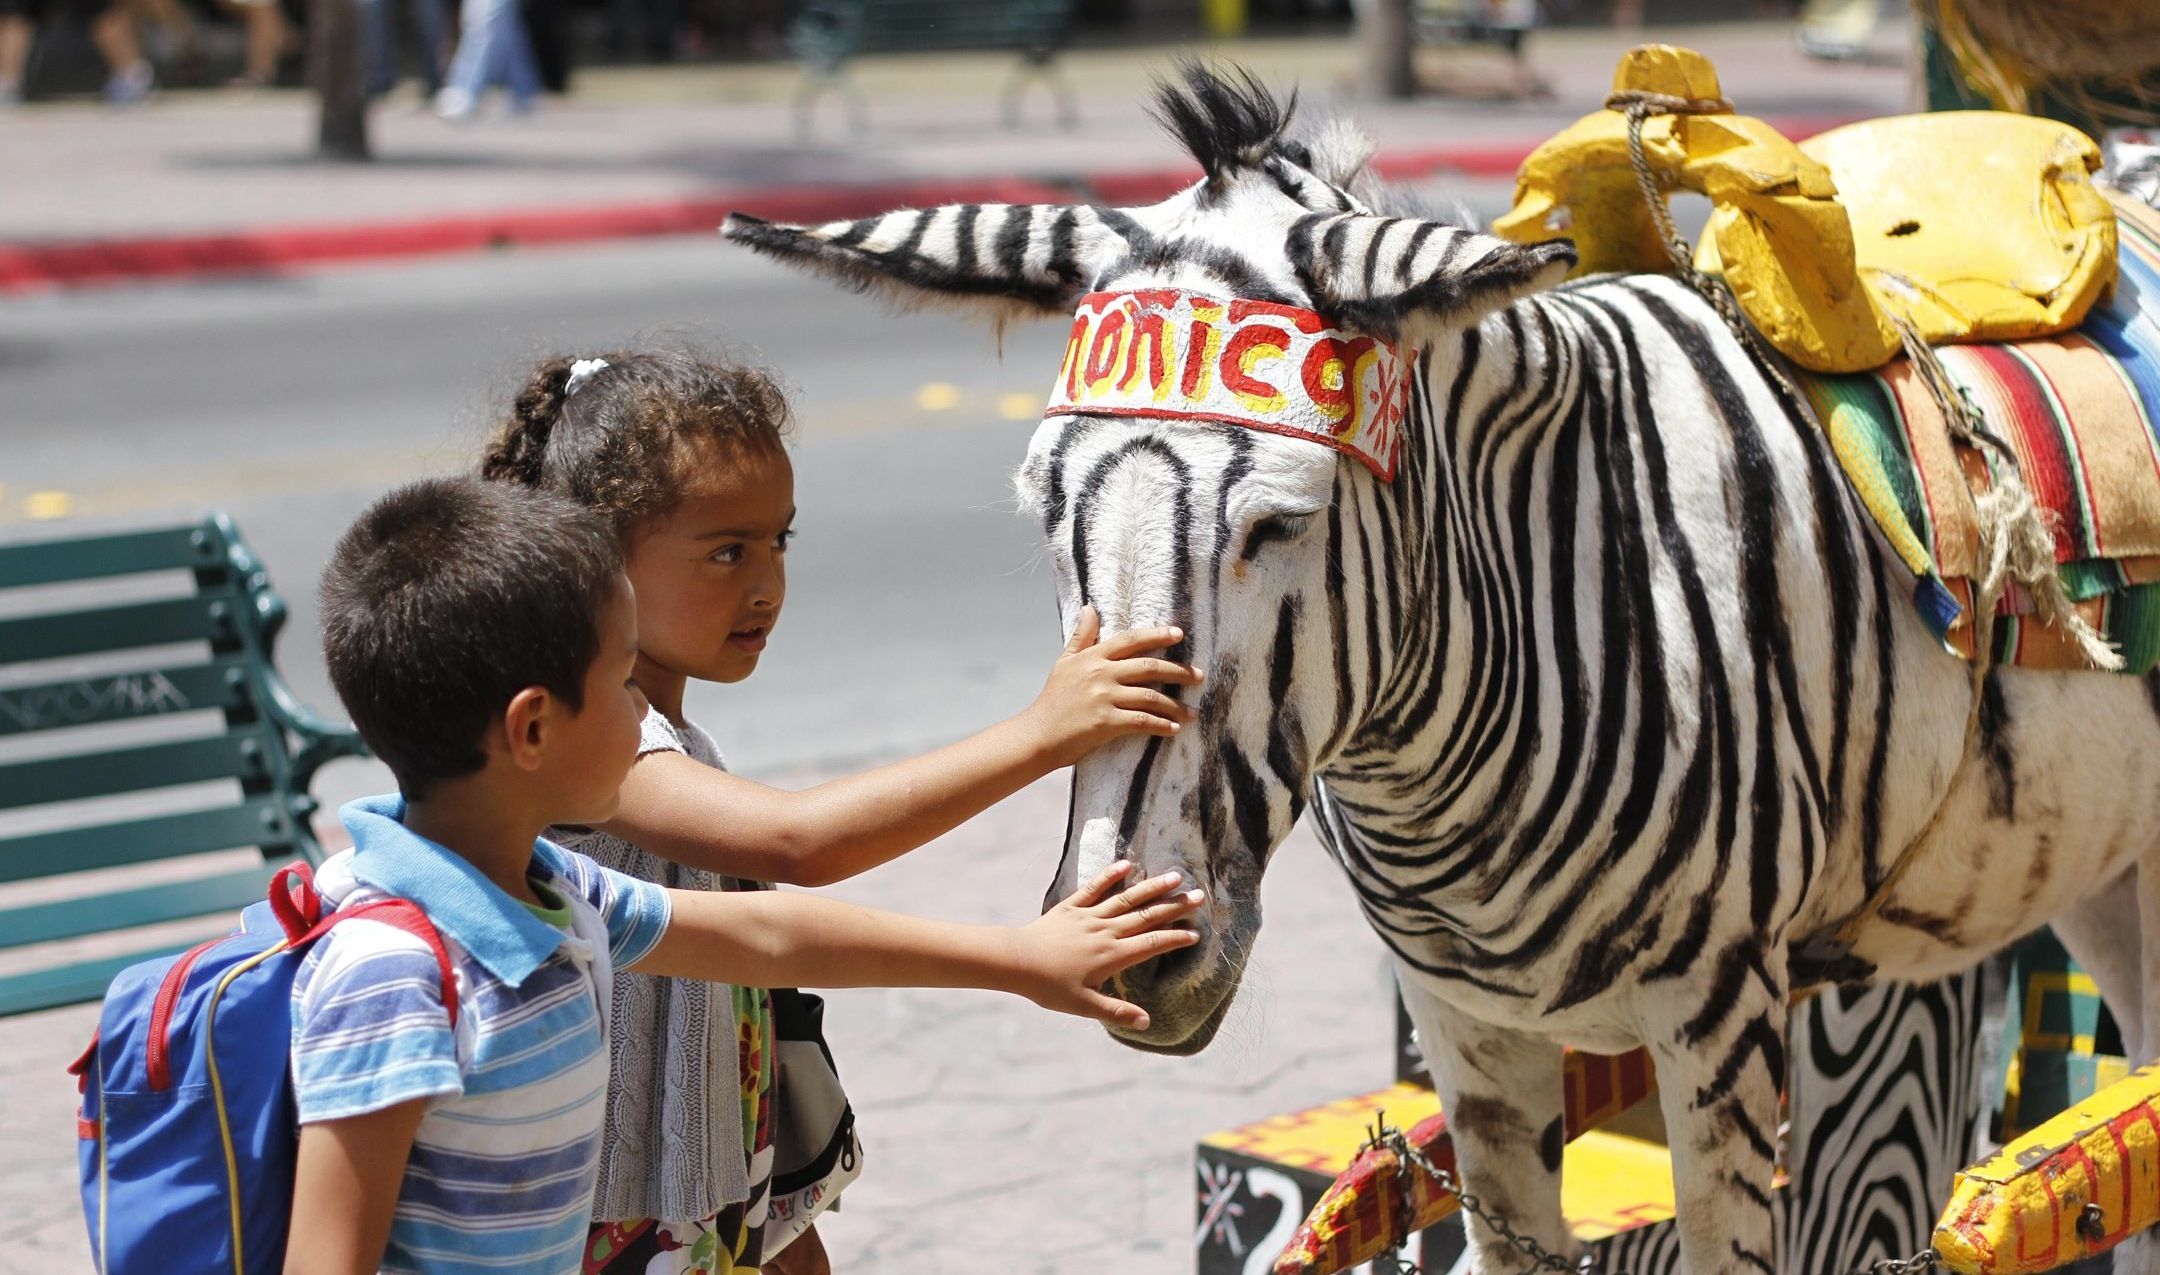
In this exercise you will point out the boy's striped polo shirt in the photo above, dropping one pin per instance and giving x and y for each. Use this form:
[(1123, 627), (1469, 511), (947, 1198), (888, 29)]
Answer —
[(503, 1167)]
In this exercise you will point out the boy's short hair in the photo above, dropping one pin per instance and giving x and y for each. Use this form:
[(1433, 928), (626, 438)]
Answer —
[(448, 597)]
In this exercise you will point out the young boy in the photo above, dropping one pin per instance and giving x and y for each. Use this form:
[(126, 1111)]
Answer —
[(482, 637)]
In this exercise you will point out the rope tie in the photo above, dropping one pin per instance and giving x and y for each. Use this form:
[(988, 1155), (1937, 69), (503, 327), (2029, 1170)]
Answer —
[(1639, 105), (2016, 543)]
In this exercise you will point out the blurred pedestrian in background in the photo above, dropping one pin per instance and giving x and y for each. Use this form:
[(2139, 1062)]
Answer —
[(269, 38), (128, 77), (492, 49), (657, 21), (548, 30), (428, 28), (175, 38)]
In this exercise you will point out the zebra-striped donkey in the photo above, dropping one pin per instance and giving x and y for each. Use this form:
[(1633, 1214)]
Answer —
[(1605, 701)]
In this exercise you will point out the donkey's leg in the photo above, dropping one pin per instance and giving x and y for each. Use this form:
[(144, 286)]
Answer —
[(1501, 1092), (2102, 933), (1719, 1048)]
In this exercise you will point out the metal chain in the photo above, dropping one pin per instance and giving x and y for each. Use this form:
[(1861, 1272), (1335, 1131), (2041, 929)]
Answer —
[(1542, 1258)]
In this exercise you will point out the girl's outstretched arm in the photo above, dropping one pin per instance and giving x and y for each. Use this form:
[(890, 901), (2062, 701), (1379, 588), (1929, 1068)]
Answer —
[(770, 938), (1098, 691)]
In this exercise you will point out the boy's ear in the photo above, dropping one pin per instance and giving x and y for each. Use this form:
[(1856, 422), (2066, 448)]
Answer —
[(525, 723)]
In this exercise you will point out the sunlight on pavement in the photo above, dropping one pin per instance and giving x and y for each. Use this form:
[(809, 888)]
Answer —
[(938, 396), (41, 505), (131, 495)]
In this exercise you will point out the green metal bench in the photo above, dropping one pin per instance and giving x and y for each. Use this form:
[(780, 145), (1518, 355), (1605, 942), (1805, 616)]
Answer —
[(827, 33), (104, 703)]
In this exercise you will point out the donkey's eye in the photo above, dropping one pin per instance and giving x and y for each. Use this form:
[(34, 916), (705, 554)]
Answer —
[(1275, 527)]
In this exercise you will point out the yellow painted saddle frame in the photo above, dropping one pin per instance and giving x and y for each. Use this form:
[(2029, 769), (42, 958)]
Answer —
[(2077, 1185), (1971, 225)]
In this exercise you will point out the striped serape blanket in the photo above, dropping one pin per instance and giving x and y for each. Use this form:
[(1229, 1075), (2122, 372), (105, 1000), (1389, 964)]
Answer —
[(2081, 411)]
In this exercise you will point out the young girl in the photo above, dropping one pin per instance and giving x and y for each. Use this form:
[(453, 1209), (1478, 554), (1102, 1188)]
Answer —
[(687, 457)]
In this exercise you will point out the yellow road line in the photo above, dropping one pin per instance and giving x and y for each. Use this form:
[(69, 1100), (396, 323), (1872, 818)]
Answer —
[(932, 407), (938, 396), (41, 505)]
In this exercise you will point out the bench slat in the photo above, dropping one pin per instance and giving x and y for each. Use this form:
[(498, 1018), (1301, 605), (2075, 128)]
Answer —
[(207, 615), (238, 754), (113, 697), (150, 905), (258, 821), (275, 749), (97, 557)]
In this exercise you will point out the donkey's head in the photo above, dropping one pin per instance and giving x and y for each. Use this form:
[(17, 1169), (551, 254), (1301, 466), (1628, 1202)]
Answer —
[(1239, 374)]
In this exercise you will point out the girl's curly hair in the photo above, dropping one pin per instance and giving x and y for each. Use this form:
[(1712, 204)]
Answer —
[(619, 444)]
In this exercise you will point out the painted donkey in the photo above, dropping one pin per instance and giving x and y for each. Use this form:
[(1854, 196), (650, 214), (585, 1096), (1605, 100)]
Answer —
[(1605, 699)]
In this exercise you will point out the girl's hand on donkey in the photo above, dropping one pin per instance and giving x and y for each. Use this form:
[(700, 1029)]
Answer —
[(1068, 954), (1100, 690)]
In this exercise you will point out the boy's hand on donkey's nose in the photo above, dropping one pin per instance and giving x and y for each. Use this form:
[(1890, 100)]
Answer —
[(1102, 689), (1081, 943)]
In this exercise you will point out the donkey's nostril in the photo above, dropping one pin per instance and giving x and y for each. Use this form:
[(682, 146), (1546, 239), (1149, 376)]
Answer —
[(1166, 970)]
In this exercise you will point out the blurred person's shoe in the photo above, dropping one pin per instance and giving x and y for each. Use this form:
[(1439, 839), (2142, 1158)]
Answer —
[(10, 95), (456, 105), (130, 84), (1825, 48)]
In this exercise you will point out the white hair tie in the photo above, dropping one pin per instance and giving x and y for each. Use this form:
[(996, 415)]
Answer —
[(580, 372)]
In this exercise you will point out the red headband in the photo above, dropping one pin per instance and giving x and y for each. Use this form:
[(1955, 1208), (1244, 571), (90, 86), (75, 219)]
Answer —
[(1166, 354)]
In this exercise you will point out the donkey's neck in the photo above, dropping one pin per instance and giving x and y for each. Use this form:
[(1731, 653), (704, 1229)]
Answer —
[(1460, 549)]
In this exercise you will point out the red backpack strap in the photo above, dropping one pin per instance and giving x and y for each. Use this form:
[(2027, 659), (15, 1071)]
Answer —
[(295, 915), (80, 1068), (405, 915)]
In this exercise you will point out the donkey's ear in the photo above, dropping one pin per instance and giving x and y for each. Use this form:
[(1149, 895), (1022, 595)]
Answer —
[(1393, 276), (1024, 259)]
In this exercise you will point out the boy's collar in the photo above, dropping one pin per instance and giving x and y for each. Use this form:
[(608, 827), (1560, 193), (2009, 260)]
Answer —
[(507, 939)]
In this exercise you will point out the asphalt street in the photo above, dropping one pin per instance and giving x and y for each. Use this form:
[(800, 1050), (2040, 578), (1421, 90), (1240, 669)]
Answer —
[(915, 611)]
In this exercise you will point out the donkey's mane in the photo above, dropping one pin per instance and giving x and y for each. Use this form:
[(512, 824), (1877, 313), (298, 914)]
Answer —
[(1227, 120)]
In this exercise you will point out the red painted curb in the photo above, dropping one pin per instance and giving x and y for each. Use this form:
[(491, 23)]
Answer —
[(48, 264), (275, 250)]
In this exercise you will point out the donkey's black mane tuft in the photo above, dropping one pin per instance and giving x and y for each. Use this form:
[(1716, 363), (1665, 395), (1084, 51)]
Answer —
[(1227, 120)]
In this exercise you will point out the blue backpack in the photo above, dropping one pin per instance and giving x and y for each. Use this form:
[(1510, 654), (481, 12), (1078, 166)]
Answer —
[(188, 1130)]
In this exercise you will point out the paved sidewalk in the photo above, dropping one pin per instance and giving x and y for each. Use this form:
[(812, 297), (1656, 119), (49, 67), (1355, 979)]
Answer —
[(1001, 1140), (660, 150)]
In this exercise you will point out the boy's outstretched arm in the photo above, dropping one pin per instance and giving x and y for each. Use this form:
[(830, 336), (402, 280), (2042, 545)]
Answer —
[(1097, 691), (1060, 961), (345, 1189)]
